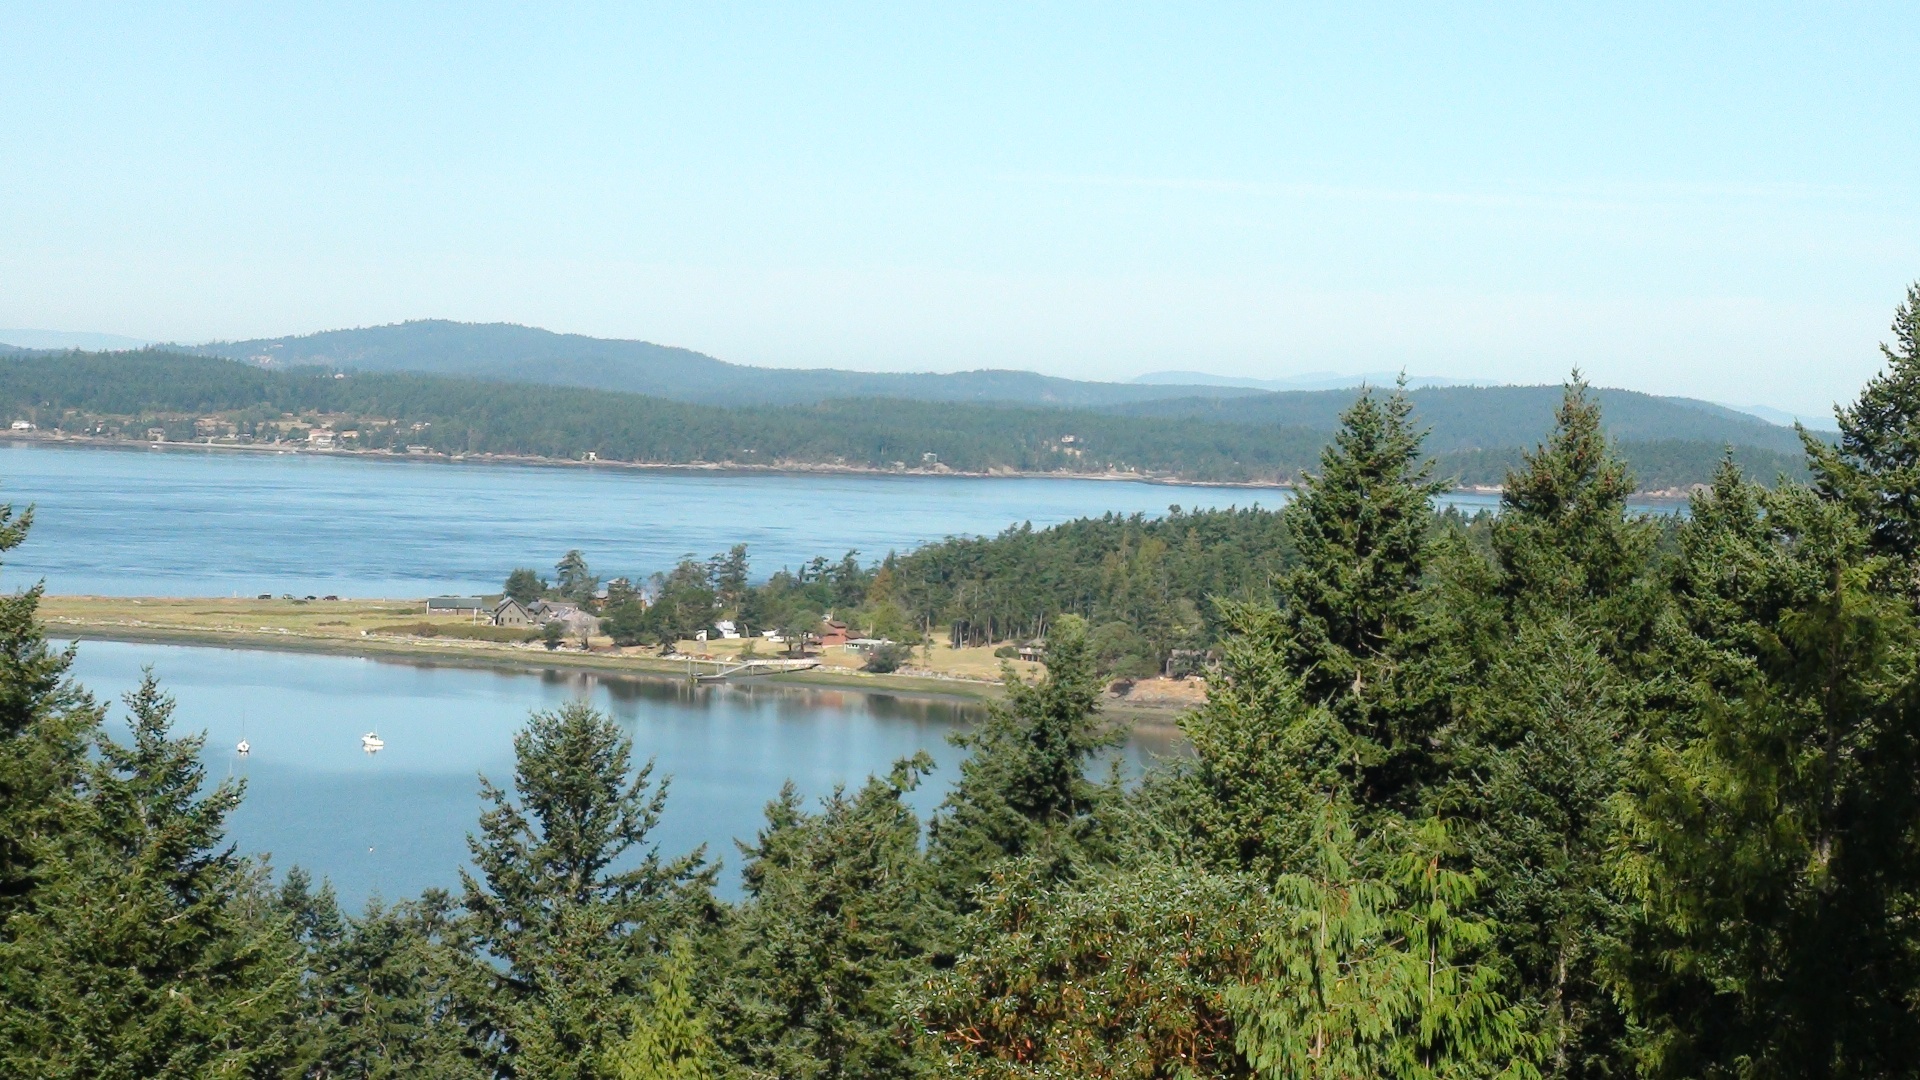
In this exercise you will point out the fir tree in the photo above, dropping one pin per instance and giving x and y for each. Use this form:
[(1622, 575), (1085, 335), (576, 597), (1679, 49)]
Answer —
[(838, 917), (1774, 831), (1875, 469), (45, 723), (377, 998), (1025, 789), (562, 924), (668, 1039), (1263, 758), (1360, 531), (151, 949), (1379, 973), (1563, 538)]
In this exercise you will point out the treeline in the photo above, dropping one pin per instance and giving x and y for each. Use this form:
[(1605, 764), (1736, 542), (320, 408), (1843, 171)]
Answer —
[(1556, 796), (1147, 587), (128, 394)]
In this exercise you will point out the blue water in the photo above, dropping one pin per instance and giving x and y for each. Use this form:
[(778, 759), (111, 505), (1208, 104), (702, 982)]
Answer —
[(195, 523), (396, 822)]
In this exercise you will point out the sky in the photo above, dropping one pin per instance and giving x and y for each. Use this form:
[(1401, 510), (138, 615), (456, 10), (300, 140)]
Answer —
[(1719, 201)]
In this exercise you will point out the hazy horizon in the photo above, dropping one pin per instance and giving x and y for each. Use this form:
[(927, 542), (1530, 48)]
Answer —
[(1718, 204)]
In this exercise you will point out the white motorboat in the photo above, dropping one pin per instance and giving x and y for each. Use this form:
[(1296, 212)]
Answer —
[(372, 743)]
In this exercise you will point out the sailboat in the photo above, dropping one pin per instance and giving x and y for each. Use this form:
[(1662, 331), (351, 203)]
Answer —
[(372, 743), (244, 748)]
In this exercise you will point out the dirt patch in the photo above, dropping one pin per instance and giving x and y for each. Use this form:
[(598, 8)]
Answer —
[(1160, 693)]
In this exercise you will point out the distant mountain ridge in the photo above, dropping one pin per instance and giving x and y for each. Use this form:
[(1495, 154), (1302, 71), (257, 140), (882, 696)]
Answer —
[(507, 352), (1491, 417), (1312, 380)]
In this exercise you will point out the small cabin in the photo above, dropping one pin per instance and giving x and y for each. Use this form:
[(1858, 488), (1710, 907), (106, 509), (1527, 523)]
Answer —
[(832, 633)]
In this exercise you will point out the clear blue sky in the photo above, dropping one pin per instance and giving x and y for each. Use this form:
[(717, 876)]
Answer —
[(1722, 202)]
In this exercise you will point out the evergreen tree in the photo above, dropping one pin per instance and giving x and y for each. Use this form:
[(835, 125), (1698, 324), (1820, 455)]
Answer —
[(1122, 974), (1024, 789), (838, 916), (376, 1001), (1360, 529), (1542, 721), (45, 723), (1379, 974), (1875, 469), (563, 924), (1563, 538), (525, 585), (1775, 827), (1263, 758), (150, 949), (668, 1039)]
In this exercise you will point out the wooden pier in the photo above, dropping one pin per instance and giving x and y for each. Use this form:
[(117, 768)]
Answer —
[(721, 671)]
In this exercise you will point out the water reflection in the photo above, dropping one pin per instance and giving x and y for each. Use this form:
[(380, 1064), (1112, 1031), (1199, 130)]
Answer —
[(395, 822)]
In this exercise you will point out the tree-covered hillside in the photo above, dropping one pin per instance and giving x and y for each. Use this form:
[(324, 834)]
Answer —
[(509, 353), (192, 397), (1490, 417)]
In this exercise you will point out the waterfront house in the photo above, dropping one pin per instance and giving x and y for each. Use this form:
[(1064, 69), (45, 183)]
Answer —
[(509, 612), (832, 633)]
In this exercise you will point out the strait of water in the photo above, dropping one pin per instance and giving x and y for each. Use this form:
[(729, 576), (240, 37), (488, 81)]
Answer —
[(396, 822), (198, 523)]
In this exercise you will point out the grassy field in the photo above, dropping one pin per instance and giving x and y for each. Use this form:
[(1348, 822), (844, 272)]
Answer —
[(403, 628)]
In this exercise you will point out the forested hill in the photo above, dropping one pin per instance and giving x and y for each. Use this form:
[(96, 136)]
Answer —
[(509, 353), (1486, 417), (129, 395)]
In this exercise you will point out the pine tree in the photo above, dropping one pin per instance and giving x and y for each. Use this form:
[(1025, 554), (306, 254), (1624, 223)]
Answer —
[(151, 949), (668, 1039), (838, 917), (1024, 789), (557, 938)]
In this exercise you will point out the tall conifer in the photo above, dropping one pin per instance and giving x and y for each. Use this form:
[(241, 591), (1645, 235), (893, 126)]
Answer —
[(563, 922)]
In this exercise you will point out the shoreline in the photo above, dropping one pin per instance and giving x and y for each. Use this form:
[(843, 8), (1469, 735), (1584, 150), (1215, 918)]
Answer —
[(1674, 496), (425, 653), (88, 442)]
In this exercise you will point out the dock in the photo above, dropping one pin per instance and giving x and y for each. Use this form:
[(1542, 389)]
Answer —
[(721, 671)]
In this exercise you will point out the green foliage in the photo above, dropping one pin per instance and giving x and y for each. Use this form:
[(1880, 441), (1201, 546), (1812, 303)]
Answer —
[(1263, 758), (377, 1001), (1875, 469), (887, 657), (669, 1039), (562, 922), (1360, 530), (149, 949), (573, 580), (1773, 832), (1024, 789), (1123, 975), (1378, 975), (838, 916), (525, 585)]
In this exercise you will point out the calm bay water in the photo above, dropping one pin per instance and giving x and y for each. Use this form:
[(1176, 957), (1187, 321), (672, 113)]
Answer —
[(396, 822), (187, 523)]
